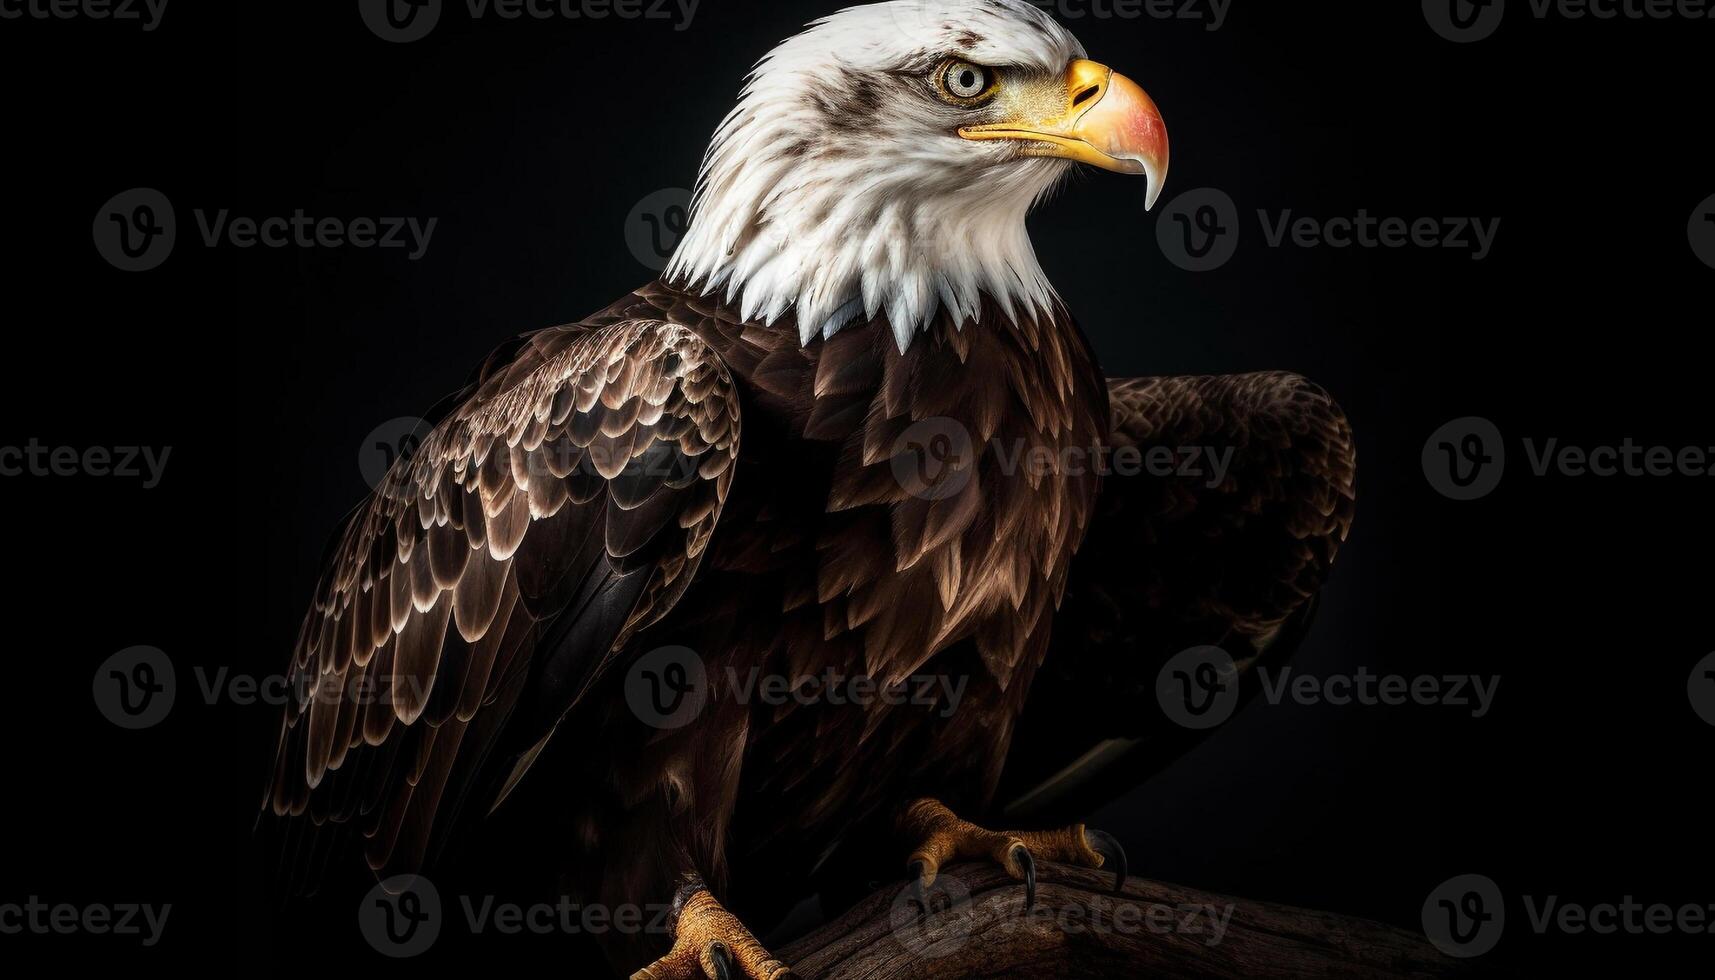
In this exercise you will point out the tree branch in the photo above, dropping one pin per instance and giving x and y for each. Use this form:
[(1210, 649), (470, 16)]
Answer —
[(977, 927)]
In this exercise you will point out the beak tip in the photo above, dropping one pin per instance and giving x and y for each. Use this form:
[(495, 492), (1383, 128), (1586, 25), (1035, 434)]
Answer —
[(1157, 179)]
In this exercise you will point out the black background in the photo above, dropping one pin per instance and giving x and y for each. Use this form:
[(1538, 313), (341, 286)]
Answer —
[(531, 141)]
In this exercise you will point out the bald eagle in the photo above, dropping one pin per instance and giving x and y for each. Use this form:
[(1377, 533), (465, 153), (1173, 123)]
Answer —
[(810, 451)]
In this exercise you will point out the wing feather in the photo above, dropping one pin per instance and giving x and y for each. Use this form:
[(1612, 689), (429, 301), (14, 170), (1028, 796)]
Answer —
[(1174, 561), (562, 504)]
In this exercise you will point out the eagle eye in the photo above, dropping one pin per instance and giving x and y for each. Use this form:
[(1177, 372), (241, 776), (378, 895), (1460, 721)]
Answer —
[(965, 84)]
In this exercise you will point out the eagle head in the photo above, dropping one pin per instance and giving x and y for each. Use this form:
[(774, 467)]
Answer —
[(883, 161)]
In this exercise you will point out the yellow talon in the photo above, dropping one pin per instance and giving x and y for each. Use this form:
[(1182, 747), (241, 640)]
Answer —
[(710, 942)]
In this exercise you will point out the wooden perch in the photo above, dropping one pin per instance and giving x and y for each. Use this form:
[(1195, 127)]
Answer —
[(1080, 928)]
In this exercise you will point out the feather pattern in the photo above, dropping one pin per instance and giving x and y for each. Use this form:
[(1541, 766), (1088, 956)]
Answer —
[(833, 561), (827, 192), (579, 450), (1233, 554)]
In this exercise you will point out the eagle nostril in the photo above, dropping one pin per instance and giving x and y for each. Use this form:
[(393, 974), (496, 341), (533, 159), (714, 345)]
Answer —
[(1086, 95)]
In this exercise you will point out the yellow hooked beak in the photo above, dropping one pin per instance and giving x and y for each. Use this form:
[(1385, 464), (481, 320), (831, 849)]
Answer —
[(1108, 122)]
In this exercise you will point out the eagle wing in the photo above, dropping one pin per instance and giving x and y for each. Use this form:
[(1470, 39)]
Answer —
[(561, 505), (1188, 551)]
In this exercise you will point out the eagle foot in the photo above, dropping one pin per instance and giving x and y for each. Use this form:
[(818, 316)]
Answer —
[(942, 837), (709, 943)]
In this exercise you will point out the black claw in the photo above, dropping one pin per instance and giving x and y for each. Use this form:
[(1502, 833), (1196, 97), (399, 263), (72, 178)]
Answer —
[(1028, 863), (915, 870), (1113, 855), (723, 960)]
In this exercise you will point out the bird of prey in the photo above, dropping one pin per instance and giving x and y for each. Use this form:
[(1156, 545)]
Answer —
[(810, 450)]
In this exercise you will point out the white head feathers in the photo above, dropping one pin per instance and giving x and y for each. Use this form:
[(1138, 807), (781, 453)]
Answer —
[(838, 188)]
